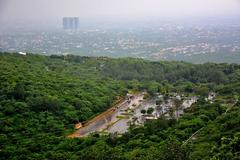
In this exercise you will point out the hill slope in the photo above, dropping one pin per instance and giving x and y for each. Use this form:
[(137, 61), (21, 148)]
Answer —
[(42, 97)]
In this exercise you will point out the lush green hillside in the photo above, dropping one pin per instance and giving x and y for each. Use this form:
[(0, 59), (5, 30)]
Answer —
[(42, 97)]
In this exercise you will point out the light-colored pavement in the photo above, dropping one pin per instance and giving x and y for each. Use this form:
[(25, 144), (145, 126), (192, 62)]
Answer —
[(102, 121)]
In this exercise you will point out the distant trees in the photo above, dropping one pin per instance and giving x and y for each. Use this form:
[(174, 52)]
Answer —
[(127, 69)]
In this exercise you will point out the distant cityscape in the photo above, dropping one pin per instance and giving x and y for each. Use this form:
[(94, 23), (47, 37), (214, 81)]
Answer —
[(164, 42)]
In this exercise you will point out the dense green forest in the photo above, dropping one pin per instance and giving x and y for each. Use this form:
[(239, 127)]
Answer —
[(42, 97)]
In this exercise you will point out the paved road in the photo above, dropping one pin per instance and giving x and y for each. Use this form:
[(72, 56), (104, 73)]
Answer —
[(102, 122)]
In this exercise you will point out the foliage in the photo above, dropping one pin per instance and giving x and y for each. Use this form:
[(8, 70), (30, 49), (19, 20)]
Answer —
[(42, 97)]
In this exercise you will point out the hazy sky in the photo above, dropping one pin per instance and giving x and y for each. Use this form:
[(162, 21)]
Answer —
[(11, 10)]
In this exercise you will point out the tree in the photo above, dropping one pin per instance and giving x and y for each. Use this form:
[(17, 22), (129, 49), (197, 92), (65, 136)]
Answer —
[(174, 151), (41, 104), (171, 113), (150, 110), (178, 104), (143, 111), (19, 92), (159, 109), (158, 102)]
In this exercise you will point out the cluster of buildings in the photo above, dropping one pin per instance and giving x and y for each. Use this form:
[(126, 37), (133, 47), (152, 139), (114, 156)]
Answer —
[(169, 43), (194, 49)]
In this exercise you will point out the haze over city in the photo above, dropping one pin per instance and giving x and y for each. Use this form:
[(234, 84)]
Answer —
[(45, 10), (190, 30)]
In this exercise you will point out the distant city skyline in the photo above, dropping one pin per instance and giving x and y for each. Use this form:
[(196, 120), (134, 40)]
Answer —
[(34, 10)]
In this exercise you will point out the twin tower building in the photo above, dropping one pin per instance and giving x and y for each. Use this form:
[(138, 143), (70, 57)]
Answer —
[(70, 23)]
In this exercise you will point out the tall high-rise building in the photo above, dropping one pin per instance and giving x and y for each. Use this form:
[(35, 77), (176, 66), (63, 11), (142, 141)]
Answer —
[(76, 23), (70, 23), (65, 23)]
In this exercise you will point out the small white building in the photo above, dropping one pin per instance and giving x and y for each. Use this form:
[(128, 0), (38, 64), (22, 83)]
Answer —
[(22, 53), (211, 96)]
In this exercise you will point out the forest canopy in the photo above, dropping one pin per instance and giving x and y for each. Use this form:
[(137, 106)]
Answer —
[(42, 97)]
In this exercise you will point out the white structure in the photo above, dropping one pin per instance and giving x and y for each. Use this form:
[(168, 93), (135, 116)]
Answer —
[(22, 53), (211, 96), (188, 103)]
